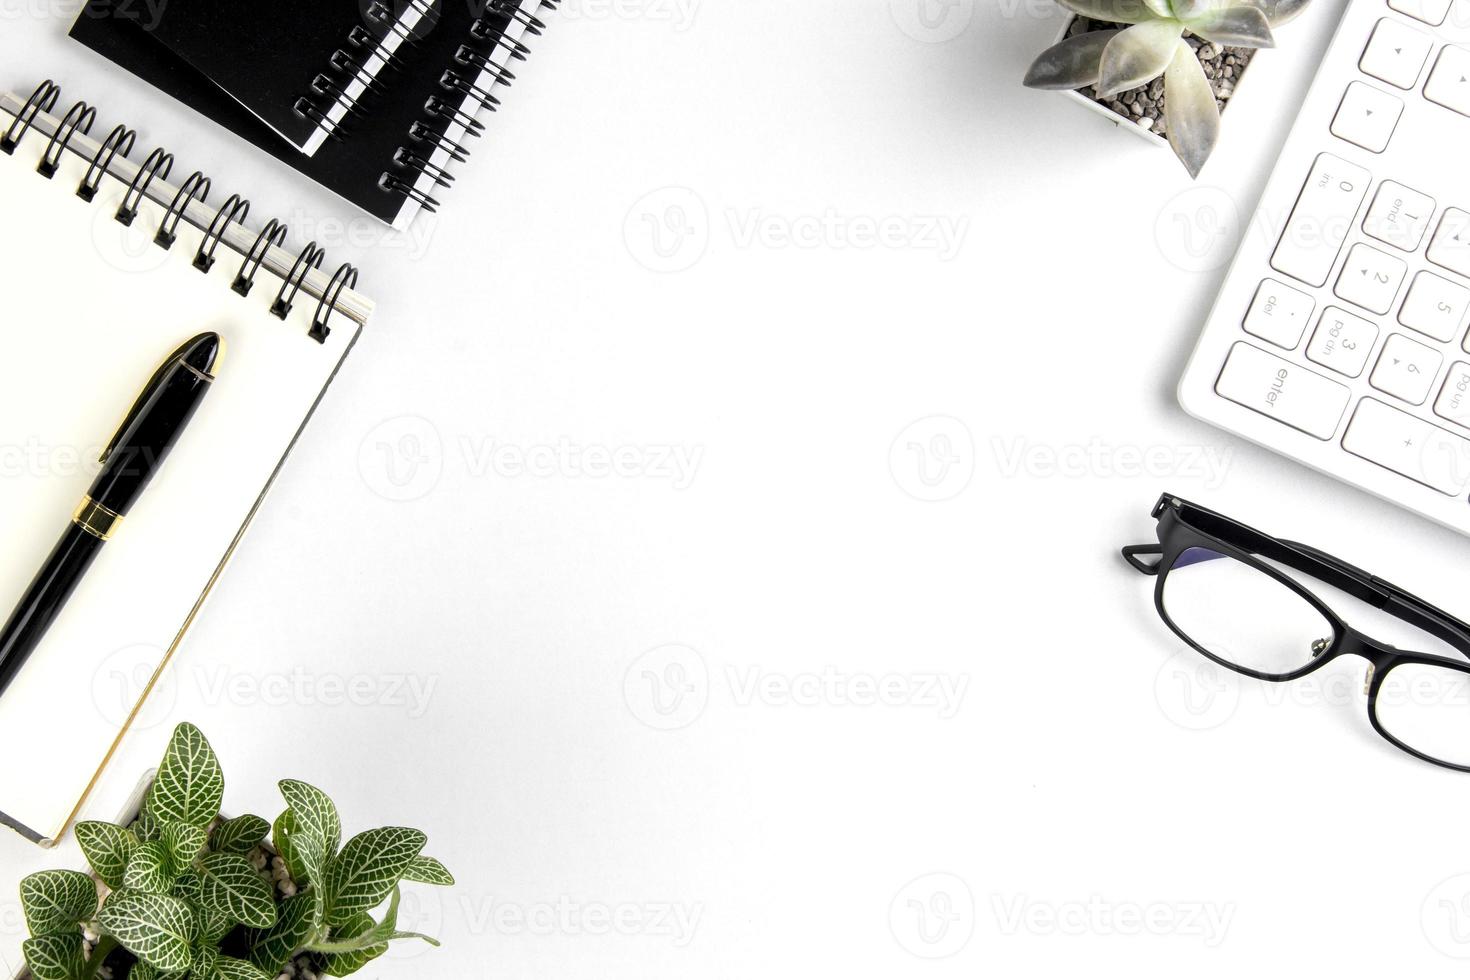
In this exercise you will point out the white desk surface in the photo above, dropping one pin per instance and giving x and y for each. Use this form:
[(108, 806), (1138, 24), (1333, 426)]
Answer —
[(1094, 803)]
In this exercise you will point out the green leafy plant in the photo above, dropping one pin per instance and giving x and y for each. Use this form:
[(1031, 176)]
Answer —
[(179, 891), (1149, 43)]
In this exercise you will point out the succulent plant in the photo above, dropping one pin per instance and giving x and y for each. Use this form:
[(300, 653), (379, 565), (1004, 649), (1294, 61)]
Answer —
[(1149, 42)]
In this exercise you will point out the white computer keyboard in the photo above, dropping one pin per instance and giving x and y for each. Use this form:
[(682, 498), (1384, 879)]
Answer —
[(1340, 336)]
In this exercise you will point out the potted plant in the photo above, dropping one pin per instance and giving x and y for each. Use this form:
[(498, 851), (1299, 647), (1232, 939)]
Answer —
[(182, 893), (1165, 67)]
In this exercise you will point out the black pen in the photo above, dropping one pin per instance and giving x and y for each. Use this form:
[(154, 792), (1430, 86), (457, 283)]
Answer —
[(149, 430)]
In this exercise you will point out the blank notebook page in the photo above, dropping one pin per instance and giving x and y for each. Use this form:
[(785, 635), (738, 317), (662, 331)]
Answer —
[(90, 310)]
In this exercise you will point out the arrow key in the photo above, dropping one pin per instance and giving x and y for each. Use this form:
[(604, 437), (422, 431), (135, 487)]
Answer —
[(1450, 247), (1367, 117), (1449, 82), (1396, 53), (1407, 369), (1371, 278)]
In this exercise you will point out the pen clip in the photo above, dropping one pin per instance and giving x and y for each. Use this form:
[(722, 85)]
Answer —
[(142, 399)]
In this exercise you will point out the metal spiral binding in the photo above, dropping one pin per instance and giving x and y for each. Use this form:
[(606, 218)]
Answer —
[(79, 118), (234, 210), (310, 258), (157, 166), (273, 234), (43, 99), (343, 279), (197, 186), (119, 142), (349, 68), (473, 77)]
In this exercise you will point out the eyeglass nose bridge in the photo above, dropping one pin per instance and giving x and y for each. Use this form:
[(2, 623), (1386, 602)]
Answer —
[(1379, 655)]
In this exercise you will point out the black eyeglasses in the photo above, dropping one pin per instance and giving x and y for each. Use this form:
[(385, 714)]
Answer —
[(1227, 590)]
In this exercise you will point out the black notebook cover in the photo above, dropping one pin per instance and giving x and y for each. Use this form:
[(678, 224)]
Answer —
[(378, 161), (270, 55)]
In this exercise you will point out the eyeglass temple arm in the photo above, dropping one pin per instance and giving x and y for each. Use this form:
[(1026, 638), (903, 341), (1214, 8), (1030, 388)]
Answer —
[(1405, 605)]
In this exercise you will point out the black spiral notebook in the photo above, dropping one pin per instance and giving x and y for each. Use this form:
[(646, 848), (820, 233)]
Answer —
[(300, 67), (387, 112)]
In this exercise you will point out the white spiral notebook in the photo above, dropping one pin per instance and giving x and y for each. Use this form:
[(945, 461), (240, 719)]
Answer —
[(110, 262)]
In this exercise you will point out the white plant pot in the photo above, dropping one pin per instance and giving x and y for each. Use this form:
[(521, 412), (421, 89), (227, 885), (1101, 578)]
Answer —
[(1128, 125)]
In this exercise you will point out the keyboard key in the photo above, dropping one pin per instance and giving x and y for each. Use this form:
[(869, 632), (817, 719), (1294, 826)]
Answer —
[(1321, 220), (1371, 278), (1435, 307), (1410, 447), (1367, 117), (1342, 342), (1406, 369), (1279, 314), (1286, 392), (1450, 247), (1449, 83), (1396, 53), (1399, 216), (1454, 398), (1431, 12)]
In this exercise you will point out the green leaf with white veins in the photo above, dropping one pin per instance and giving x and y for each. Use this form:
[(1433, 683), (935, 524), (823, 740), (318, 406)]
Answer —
[(229, 968), (210, 964), (347, 963), (183, 844), (314, 811), (155, 928), (272, 950), (148, 869), (240, 835), (189, 786), (107, 848), (428, 871), (282, 834), (55, 902), (370, 866), (231, 886), (55, 957)]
